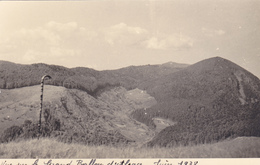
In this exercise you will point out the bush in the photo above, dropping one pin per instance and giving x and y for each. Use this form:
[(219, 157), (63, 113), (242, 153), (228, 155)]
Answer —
[(11, 134)]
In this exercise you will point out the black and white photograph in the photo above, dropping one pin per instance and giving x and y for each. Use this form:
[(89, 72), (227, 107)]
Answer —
[(137, 79)]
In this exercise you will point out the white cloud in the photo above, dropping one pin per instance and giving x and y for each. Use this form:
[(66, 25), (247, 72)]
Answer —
[(174, 41), (36, 36), (29, 56), (66, 41), (6, 46), (34, 56), (53, 40), (220, 32), (124, 34), (212, 32), (62, 28), (63, 52)]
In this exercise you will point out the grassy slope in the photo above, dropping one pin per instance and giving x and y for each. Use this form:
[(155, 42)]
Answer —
[(78, 112), (242, 147), (193, 86)]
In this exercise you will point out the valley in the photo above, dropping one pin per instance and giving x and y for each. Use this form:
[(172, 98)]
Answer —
[(165, 105), (111, 110)]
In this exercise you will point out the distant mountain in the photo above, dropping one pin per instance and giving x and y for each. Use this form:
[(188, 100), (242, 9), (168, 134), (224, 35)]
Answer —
[(99, 98), (174, 65), (166, 105), (16, 75), (211, 100)]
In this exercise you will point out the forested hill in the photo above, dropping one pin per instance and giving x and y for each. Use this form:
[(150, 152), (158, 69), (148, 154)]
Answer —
[(16, 75), (211, 100), (72, 114)]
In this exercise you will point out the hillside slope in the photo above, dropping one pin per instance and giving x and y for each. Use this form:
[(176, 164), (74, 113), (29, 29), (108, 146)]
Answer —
[(174, 104), (112, 97), (72, 115), (16, 75), (211, 100), (242, 147)]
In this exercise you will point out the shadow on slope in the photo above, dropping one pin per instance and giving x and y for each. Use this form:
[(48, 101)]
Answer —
[(72, 115), (210, 101)]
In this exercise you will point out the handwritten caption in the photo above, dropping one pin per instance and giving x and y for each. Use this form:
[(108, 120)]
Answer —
[(100, 162)]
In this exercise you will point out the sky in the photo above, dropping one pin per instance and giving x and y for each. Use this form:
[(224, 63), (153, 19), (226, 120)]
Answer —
[(112, 34)]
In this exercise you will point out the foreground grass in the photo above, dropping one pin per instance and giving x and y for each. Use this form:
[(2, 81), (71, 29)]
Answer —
[(243, 147)]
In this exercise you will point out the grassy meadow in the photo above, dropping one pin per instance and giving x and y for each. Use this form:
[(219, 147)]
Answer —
[(242, 147)]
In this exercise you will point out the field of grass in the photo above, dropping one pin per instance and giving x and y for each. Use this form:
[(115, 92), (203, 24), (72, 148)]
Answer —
[(242, 147)]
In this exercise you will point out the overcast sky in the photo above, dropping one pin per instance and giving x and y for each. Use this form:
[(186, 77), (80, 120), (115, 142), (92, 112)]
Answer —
[(114, 34)]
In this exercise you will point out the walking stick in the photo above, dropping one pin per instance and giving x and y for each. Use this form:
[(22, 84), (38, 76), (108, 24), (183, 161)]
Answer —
[(42, 84)]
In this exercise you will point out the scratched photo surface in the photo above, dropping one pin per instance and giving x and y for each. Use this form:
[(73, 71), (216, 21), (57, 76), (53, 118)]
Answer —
[(129, 79)]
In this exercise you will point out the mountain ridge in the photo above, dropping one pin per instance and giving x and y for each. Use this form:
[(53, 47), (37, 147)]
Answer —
[(208, 101), (213, 91), (83, 78)]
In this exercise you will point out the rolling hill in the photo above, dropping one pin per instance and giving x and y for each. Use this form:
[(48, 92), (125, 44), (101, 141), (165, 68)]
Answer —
[(211, 100), (16, 75), (72, 115), (161, 105)]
